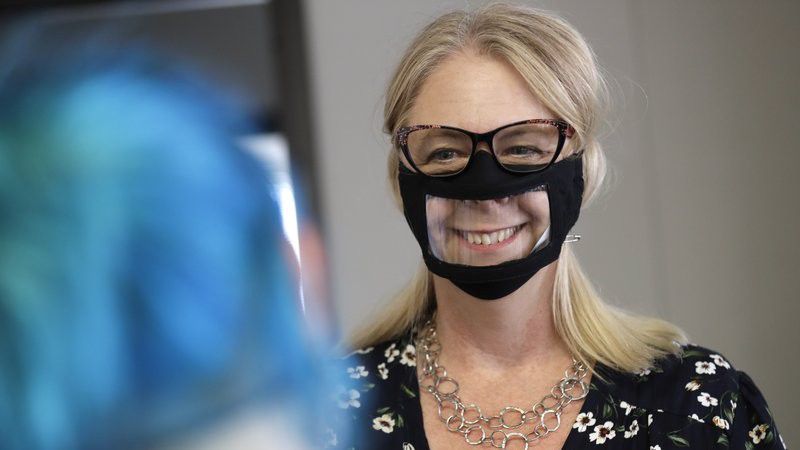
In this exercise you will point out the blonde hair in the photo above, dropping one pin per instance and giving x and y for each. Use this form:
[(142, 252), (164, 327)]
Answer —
[(560, 69)]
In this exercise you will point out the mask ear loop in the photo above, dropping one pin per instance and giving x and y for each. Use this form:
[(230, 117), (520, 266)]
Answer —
[(572, 238)]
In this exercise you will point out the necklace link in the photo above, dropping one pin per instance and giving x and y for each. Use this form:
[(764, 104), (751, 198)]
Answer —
[(497, 430)]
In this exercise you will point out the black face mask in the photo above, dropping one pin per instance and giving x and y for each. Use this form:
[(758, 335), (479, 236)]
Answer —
[(489, 230)]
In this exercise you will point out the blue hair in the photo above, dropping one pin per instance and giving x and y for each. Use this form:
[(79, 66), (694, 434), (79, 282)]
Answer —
[(145, 284)]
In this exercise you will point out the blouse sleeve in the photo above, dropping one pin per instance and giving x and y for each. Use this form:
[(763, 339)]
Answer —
[(753, 427)]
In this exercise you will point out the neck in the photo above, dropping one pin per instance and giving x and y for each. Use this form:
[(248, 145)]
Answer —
[(503, 332)]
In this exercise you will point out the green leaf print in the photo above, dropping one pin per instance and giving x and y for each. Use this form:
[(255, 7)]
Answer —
[(677, 440), (383, 410), (400, 421), (367, 386), (608, 411), (694, 354), (723, 440), (407, 391), (769, 437), (748, 445), (729, 415)]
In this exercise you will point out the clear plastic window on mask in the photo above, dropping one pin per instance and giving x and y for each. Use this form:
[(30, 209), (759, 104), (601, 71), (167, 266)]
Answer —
[(488, 232)]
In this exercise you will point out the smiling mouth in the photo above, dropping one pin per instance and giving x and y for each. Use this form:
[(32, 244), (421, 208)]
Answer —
[(488, 238)]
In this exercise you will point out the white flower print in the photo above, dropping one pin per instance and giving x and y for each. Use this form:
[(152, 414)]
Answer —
[(702, 367), (720, 361), (584, 420), (655, 447), (649, 419), (733, 406), (391, 352), (357, 372), (706, 399), (721, 423), (644, 372), (693, 385), (409, 356), (346, 399), (634, 428), (383, 372), (628, 407), (383, 423), (758, 433), (364, 351), (602, 433), (697, 418), (407, 446)]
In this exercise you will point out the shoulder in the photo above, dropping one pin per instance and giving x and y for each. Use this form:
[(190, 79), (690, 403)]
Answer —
[(697, 382), (701, 386), (383, 369), (379, 385), (377, 359)]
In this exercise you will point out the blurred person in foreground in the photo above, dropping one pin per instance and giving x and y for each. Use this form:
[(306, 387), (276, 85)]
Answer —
[(148, 297)]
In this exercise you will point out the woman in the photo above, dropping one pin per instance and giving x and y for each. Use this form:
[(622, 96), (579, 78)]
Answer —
[(502, 341)]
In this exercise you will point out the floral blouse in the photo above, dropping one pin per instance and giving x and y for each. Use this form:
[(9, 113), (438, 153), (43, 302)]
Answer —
[(698, 401)]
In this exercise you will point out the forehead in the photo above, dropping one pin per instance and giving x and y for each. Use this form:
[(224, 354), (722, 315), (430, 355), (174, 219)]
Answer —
[(477, 93)]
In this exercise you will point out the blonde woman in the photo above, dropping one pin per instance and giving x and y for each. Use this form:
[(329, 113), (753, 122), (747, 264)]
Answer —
[(501, 340)]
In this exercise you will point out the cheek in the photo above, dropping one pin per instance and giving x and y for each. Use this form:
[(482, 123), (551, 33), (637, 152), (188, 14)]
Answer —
[(403, 161), (536, 205), (438, 210), (570, 147)]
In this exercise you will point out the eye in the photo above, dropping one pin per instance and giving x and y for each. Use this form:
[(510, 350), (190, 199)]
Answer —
[(443, 155), (523, 151)]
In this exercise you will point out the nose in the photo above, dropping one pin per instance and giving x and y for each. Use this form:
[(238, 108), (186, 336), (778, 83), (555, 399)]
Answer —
[(483, 145), (488, 204)]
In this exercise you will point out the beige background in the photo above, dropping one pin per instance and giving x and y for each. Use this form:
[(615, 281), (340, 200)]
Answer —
[(700, 224)]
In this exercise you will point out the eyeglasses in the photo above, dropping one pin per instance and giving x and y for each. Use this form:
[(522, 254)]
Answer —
[(521, 147)]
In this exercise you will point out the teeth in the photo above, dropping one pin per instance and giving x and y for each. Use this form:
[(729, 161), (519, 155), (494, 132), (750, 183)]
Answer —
[(489, 238)]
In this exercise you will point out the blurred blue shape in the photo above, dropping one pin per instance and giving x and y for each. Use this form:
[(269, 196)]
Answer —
[(146, 287)]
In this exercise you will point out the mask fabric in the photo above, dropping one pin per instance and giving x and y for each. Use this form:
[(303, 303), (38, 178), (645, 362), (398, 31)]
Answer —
[(488, 230)]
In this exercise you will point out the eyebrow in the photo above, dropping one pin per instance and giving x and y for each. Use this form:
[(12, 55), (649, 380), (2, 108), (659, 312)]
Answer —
[(442, 133), (515, 132)]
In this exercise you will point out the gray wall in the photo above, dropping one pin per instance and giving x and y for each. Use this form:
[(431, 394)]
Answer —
[(699, 226)]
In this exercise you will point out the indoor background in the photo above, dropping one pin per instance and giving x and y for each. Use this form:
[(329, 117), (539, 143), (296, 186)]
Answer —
[(698, 225)]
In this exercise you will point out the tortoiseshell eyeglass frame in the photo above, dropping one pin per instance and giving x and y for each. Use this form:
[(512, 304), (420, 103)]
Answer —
[(565, 131)]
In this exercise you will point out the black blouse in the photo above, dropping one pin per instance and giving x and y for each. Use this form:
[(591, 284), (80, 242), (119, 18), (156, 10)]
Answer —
[(698, 401)]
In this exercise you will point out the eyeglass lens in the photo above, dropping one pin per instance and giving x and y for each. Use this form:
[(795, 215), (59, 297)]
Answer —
[(519, 148)]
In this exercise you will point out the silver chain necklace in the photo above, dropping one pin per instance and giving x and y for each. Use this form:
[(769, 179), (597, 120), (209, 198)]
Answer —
[(497, 430)]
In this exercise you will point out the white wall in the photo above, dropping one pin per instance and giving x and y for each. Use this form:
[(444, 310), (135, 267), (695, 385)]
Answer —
[(700, 226)]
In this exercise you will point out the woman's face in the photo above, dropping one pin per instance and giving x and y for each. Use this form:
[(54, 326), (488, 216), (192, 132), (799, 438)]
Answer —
[(479, 93)]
